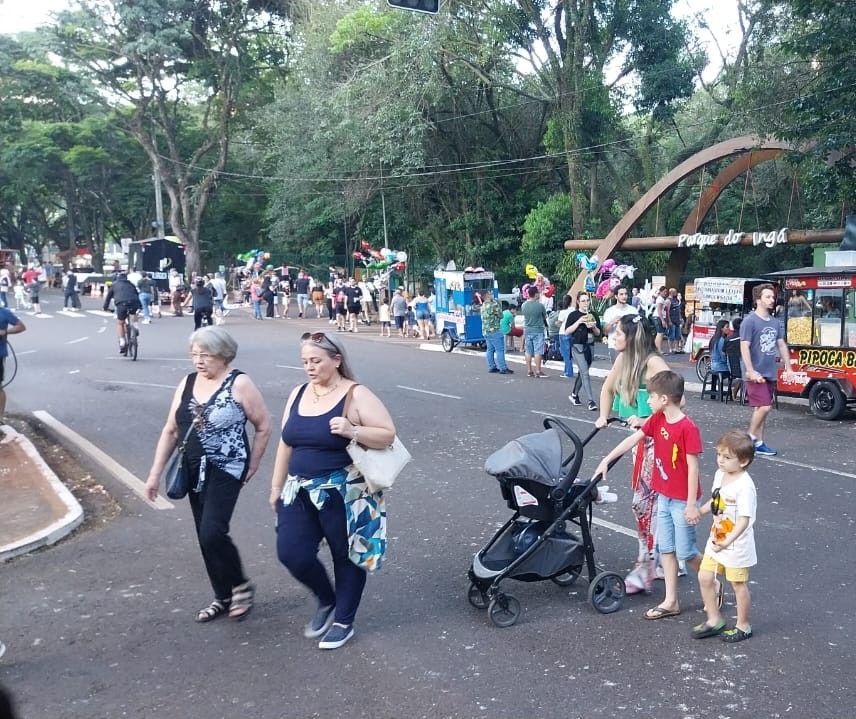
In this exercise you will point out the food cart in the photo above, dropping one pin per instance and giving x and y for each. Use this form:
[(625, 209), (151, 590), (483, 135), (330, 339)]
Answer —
[(821, 342), (457, 305), (716, 298)]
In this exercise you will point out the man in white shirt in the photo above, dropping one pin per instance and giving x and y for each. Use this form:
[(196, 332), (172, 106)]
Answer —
[(611, 317), (218, 289), (660, 318)]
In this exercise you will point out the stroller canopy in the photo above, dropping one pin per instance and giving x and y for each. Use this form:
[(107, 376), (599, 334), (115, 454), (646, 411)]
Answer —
[(537, 457)]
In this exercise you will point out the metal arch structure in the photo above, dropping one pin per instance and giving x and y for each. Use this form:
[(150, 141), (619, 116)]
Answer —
[(753, 150)]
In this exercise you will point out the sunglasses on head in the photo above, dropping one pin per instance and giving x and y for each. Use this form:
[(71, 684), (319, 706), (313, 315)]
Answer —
[(319, 338)]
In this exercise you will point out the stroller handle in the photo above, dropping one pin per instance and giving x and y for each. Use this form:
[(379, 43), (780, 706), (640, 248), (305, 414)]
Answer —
[(560, 491)]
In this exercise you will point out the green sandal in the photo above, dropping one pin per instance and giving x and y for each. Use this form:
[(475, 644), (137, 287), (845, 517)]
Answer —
[(703, 631), (735, 635)]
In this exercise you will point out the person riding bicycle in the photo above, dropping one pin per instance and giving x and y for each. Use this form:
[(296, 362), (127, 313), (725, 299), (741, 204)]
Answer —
[(127, 301)]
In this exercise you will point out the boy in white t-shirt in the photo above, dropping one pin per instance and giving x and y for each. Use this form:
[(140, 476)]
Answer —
[(730, 549)]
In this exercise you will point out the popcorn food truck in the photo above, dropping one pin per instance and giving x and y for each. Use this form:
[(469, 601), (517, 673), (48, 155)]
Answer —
[(716, 298), (820, 330)]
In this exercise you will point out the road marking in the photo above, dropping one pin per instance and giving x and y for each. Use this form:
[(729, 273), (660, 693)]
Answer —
[(813, 467), (74, 342), (136, 485), (425, 391), (606, 524), (74, 371), (25, 352), (70, 313), (101, 329), (136, 384), (288, 366)]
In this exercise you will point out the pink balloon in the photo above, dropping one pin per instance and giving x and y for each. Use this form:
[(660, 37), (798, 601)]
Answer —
[(607, 265), (603, 290)]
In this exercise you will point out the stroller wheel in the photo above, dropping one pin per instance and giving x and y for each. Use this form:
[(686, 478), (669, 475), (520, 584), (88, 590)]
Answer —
[(606, 592), (477, 597), (504, 610), (568, 578)]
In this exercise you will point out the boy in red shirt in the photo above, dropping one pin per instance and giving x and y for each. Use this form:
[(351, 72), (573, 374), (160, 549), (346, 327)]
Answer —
[(677, 445)]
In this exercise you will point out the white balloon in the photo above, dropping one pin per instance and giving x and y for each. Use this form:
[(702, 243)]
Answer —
[(401, 256)]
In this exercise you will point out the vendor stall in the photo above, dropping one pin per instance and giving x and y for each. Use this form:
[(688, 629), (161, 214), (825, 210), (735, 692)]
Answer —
[(821, 341), (714, 299)]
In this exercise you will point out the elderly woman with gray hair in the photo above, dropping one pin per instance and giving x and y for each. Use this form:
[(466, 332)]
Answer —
[(216, 401)]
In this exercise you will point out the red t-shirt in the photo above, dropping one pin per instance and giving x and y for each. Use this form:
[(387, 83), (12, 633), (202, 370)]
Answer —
[(672, 444)]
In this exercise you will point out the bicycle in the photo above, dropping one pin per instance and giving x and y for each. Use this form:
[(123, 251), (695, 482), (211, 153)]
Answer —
[(132, 335)]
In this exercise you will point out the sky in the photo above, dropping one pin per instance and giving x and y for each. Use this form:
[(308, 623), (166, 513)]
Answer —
[(21, 15)]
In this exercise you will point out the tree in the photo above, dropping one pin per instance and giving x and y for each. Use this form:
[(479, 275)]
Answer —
[(177, 69)]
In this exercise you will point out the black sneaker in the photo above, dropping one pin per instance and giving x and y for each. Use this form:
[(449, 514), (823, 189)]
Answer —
[(494, 370), (320, 623), (592, 406), (506, 371), (575, 400), (336, 636)]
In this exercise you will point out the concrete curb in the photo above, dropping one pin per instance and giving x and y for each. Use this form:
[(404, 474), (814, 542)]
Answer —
[(57, 529)]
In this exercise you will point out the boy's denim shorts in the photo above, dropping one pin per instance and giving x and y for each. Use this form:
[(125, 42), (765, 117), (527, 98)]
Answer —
[(533, 343), (672, 532)]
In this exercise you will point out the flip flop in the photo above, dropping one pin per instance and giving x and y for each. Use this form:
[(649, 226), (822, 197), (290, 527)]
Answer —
[(661, 613), (703, 631)]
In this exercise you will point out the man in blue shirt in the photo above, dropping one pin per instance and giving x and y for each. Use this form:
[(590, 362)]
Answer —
[(9, 325)]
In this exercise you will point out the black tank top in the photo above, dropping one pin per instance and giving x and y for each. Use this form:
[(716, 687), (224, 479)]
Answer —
[(315, 451)]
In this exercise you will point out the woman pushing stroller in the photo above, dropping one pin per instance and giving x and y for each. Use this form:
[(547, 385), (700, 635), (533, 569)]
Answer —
[(625, 392)]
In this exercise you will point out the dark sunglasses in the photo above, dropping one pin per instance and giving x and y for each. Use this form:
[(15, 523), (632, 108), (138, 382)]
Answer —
[(717, 505), (319, 338)]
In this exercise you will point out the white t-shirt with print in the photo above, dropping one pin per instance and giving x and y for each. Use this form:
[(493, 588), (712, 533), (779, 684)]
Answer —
[(613, 314), (740, 501)]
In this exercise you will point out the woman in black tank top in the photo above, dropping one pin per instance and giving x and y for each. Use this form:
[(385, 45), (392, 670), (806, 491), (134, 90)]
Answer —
[(316, 494)]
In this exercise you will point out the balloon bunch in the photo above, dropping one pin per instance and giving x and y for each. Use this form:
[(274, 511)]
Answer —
[(254, 259), (603, 278), (542, 284), (382, 259)]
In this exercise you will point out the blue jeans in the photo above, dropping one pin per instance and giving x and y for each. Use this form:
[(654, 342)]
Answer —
[(495, 353), (146, 301), (300, 526), (566, 342), (257, 309)]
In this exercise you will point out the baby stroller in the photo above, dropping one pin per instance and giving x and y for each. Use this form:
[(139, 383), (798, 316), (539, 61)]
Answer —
[(552, 350), (535, 544)]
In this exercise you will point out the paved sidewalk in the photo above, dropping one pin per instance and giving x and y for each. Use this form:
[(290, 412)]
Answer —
[(36, 508)]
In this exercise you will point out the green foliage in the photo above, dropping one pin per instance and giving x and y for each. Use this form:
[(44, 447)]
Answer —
[(545, 230)]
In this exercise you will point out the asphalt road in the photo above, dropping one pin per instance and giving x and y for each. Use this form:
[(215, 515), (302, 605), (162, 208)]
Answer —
[(101, 626)]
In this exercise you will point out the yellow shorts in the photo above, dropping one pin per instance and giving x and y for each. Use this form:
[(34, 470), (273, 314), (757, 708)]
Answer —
[(732, 574)]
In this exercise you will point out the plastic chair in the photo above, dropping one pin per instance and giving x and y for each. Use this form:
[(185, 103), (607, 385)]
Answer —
[(717, 385)]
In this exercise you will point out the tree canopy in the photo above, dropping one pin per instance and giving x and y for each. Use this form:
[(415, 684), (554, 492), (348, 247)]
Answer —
[(486, 134)]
